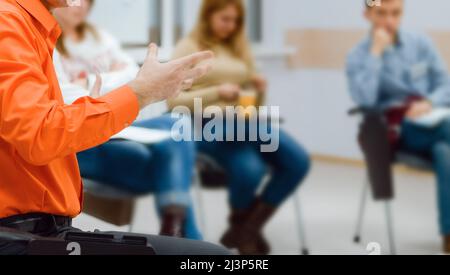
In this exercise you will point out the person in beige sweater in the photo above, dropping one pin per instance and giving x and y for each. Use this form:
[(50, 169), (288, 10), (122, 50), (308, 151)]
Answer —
[(230, 75), (221, 29)]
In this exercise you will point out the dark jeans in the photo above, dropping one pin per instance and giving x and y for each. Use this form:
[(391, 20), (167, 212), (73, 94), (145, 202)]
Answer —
[(246, 166), (435, 144), (165, 169)]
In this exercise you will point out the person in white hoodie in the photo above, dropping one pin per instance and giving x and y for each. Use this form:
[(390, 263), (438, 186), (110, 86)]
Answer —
[(90, 62)]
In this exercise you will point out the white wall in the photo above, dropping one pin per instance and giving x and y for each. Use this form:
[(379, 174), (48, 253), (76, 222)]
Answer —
[(315, 101), (126, 19)]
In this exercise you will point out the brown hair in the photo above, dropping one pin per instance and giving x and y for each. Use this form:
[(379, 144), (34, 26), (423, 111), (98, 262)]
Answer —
[(81, 31), (238, 43)]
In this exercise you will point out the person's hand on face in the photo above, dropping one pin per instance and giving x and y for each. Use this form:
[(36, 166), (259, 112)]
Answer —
[(160, 81), (381, 39), (260, 83), (229, 91), (418, 109)]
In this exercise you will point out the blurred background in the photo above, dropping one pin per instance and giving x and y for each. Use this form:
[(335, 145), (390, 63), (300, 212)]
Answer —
[(300, 46)]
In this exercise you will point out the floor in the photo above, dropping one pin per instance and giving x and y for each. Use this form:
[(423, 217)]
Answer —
[(329, 199)]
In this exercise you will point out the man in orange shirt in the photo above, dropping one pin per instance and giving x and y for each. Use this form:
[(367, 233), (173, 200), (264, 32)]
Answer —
[(40, 184)]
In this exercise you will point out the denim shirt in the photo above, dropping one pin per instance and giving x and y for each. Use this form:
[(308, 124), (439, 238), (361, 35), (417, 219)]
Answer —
[(410, 67)]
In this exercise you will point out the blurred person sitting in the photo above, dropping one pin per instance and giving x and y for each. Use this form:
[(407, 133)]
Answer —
[(221, 29), (41, 187), (166, 168), (394, 67)]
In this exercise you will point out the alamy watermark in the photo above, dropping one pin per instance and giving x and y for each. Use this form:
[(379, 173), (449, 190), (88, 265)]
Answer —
[(228, 124), (373, 3), (73, 3)]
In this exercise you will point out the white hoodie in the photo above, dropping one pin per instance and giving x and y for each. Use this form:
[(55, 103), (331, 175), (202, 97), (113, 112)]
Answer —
[(92, 56)]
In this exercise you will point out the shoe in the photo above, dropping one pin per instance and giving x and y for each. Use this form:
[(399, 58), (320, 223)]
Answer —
[(245, 233), (447, 244), (173, 221)]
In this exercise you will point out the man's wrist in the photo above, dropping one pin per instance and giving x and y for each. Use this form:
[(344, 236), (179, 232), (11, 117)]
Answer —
[(136, 90)]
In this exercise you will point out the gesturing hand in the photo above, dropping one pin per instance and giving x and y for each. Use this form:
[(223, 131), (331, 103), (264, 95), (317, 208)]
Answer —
[(159, 81), (96, 89)]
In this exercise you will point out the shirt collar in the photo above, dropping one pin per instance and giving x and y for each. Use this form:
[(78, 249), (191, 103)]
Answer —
[(36, 9)]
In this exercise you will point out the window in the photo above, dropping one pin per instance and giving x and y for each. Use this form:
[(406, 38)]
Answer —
[(138, 22), (254, 20), (155, 21)]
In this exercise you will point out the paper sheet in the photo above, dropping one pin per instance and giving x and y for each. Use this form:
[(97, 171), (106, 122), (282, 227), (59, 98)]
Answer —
[(143, 135), (433, 119)]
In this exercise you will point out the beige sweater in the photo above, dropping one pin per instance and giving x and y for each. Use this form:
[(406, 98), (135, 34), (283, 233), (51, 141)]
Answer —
[(226, 68)]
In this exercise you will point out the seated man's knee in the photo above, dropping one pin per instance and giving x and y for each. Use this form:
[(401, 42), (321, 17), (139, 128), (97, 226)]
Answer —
[(445, 130), (441, 153)]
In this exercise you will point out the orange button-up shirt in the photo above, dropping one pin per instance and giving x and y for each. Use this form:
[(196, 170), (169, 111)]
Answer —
[(39, 134)]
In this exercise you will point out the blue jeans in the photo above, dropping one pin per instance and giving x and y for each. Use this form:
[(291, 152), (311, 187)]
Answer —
[(435, 144), (246, 166), (165, 169)]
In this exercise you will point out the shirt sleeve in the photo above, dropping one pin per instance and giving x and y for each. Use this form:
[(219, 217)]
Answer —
[(364, 73), (33, 120), (439, 78)]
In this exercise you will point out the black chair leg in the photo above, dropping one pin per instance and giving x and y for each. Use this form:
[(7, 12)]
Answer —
[(361, 212), (304, 250)]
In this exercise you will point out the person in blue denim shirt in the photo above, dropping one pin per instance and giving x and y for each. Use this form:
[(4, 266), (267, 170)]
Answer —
[(392, 65)]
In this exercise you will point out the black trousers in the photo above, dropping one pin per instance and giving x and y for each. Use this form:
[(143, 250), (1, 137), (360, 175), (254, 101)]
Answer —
[(373, 139), (59, 229)]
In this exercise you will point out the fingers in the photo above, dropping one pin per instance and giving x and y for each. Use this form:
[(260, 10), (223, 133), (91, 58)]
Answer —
[(187, 84), (193, 59), (197, 72), (152, 51), (95, 92)]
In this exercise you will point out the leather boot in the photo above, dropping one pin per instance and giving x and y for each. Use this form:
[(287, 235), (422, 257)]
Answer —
[(447, 244), (173, 221), (247, 237), (251, 233), (231, 237)]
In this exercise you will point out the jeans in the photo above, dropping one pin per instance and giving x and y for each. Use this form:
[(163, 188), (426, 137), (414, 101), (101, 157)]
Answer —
[(165, 169), (433, 143), (246, 167)]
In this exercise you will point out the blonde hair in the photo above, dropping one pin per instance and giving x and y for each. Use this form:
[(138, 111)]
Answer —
[(238, 43), (81, 31)]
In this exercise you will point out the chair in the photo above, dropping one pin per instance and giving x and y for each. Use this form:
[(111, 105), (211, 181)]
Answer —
[(109, 204), (380, 159), (209, 170)]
